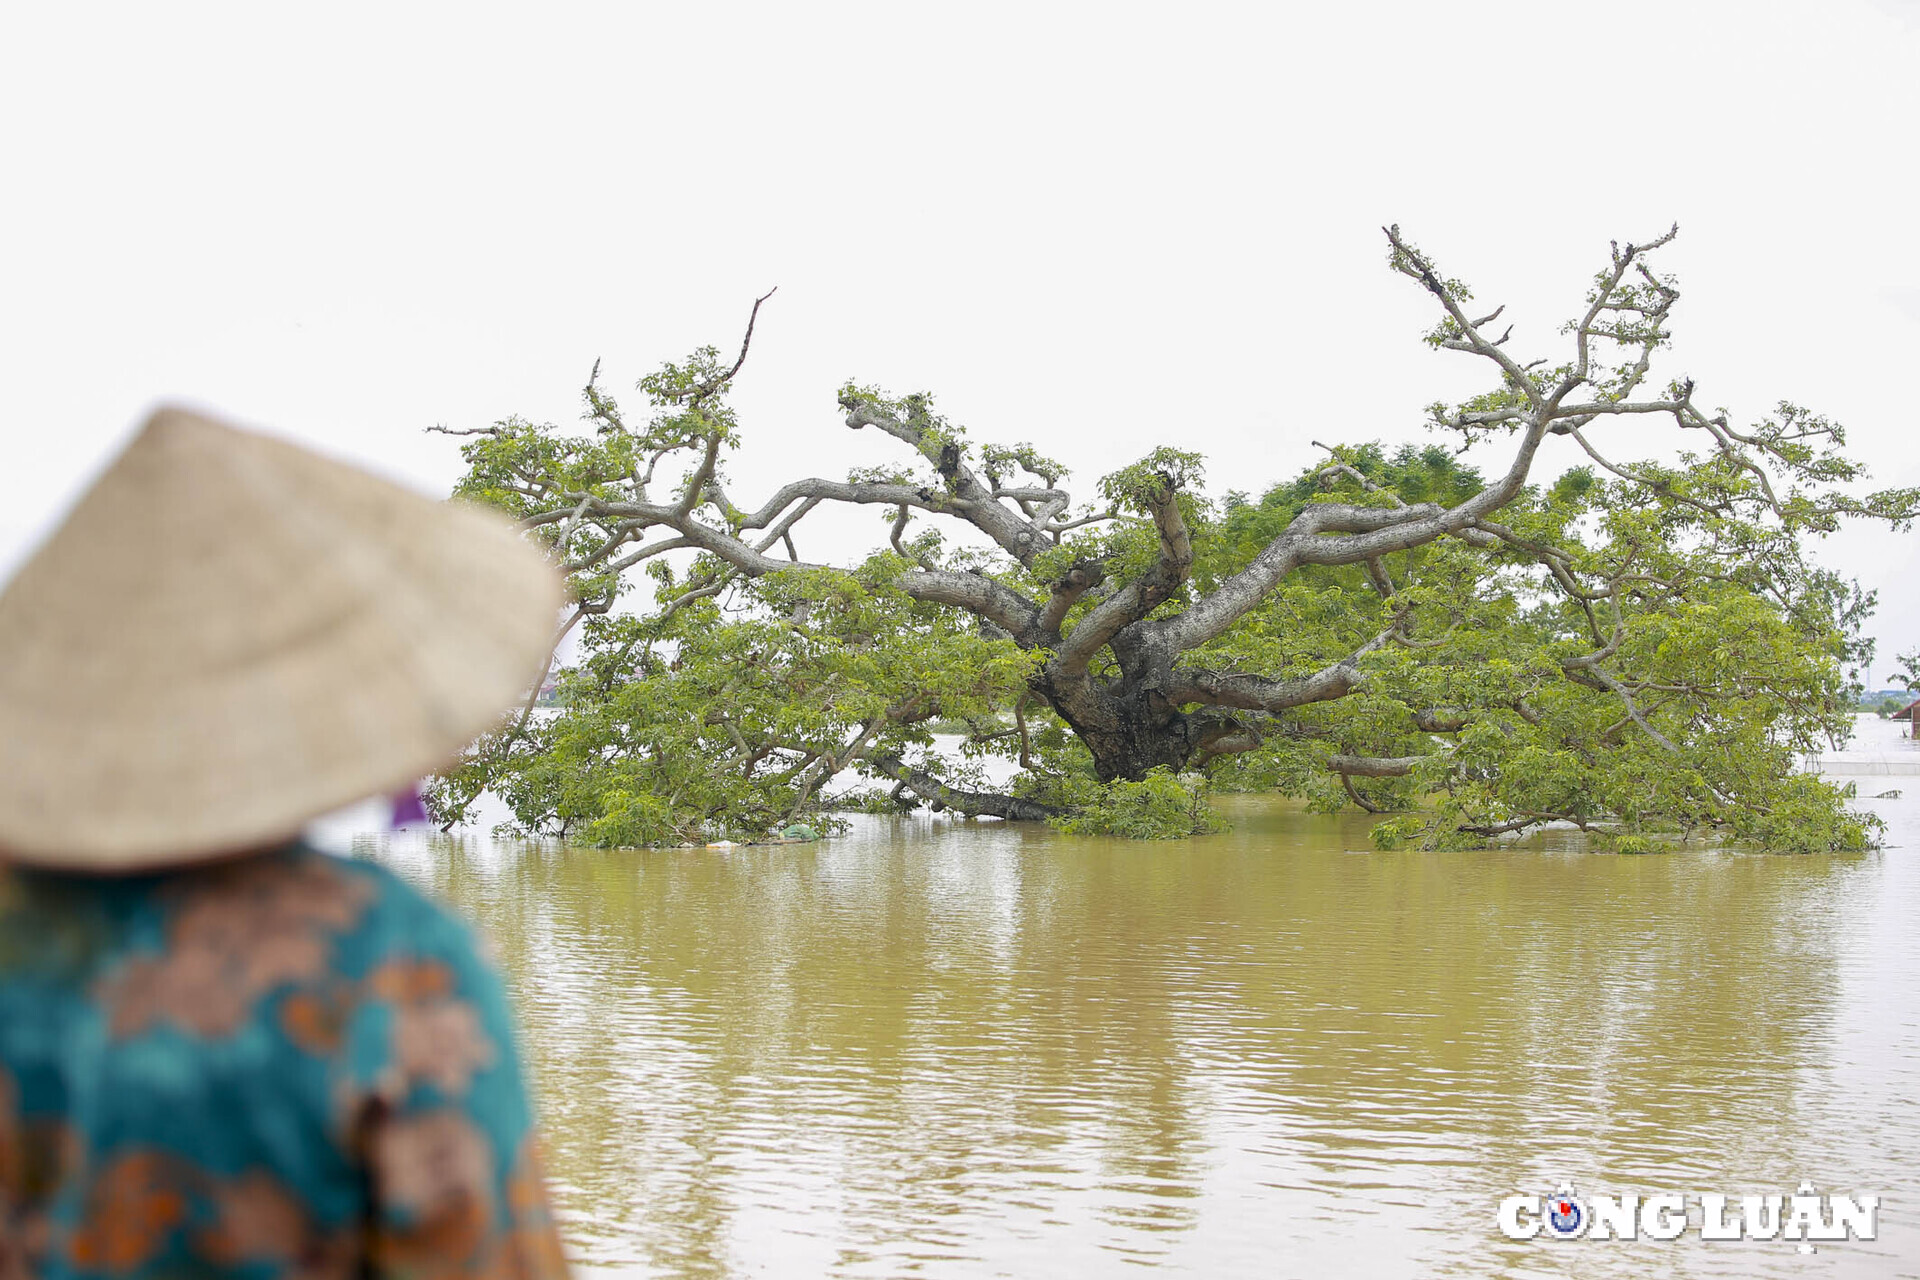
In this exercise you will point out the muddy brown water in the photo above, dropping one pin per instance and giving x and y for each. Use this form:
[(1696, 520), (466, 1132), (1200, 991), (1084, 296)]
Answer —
[(942, 1048)]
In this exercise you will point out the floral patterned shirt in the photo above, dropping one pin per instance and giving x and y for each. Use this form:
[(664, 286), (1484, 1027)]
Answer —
[(285, 1065)]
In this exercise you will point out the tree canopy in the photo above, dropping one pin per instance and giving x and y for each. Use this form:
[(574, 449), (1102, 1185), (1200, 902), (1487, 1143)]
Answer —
[(1638, 646)]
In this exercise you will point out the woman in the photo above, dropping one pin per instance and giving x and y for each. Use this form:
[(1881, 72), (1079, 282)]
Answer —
[(222, 1052)]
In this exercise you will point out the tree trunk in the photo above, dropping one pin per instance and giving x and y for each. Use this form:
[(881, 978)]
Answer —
[(1129, 730)]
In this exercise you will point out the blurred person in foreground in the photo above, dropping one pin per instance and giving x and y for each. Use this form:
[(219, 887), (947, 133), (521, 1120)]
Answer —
[(223, 1052)]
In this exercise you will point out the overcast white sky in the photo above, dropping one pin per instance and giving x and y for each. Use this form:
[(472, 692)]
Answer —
[(1098, 228)]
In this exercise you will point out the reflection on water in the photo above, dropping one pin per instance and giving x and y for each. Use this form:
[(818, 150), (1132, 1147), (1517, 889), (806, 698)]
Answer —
[(951, 1048)]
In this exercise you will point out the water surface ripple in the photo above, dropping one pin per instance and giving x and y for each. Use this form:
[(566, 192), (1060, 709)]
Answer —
[(944, 1048)]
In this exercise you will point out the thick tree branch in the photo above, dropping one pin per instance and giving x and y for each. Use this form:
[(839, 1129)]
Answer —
[(1374, 766), (1067, 592), (1140, 596), (965, 496), (1306, 541), (978, 594), (973, 803), (1257, 693)]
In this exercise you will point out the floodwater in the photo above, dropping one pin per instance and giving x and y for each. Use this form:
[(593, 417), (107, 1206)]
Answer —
[(942, 1048)]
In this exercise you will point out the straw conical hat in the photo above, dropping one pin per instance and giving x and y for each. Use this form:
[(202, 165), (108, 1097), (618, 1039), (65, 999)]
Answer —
[(230, 636)]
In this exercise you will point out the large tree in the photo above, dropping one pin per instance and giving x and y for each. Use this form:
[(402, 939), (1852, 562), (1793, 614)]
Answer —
[(1640, 645)]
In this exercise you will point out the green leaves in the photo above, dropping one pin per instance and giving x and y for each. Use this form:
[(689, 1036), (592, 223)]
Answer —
[(998, 462), (1152, 480), (1161, 806), (719, 723), (1638, 647), (1628, 664)]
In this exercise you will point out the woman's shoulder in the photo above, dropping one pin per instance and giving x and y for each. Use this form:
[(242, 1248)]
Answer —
[(373, 912)]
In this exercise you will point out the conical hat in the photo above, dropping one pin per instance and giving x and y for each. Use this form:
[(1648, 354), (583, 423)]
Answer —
[(230, 635)]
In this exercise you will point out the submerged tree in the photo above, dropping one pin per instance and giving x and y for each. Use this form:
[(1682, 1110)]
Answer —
[(1638, 646)]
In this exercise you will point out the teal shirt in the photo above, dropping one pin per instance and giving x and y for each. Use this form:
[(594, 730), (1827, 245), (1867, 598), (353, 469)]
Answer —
[(288, 1064)]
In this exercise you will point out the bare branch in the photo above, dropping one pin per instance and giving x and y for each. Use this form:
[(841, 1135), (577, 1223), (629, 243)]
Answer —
[(713, 384), (1409, 261)]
